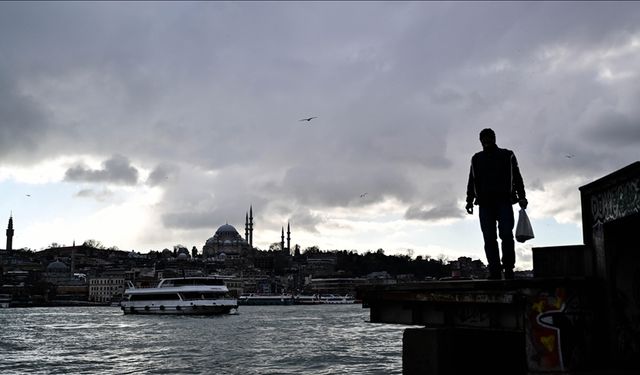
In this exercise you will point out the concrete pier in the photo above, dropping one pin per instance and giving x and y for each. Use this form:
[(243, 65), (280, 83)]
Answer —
[(579, 314), (492, 326)]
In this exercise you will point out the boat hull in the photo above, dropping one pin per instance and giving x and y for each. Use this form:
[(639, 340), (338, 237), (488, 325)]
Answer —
[(173, 308)]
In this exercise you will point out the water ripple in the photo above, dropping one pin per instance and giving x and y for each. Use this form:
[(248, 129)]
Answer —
[(259, 340)]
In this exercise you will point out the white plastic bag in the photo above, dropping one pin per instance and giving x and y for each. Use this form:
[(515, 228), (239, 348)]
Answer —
[(524, 231)]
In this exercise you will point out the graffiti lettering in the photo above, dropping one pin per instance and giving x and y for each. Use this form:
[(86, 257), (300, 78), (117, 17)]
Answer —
[(471, 316), (617, 202)]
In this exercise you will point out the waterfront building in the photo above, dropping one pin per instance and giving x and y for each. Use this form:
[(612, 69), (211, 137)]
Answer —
[(68, 284), (467, 267), (340, 286), (321, 264), (106, 288)]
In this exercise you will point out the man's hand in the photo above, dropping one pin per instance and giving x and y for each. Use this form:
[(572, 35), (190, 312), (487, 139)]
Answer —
[(469, 208), (523, 203)]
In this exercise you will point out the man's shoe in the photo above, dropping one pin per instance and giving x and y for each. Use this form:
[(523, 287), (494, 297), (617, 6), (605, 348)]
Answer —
[(508, 274)]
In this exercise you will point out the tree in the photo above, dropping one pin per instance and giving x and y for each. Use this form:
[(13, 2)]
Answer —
[(276, 246), (410, 253), (312, 250), (442, 258), (93, 243)]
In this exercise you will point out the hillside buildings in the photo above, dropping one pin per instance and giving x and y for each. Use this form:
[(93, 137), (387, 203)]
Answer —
[(83, 273)]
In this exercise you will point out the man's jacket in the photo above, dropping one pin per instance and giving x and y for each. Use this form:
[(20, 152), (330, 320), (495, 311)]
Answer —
[(494, 176)]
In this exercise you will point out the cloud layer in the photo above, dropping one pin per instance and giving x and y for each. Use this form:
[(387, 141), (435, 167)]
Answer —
[(203, 101)]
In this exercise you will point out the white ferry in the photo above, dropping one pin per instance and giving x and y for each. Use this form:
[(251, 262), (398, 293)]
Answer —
[(184, 295)]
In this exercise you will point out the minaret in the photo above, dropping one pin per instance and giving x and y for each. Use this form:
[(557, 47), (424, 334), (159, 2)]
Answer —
[(251, 226), (282, 240), (10, 234), (288, 238), (246, 227)]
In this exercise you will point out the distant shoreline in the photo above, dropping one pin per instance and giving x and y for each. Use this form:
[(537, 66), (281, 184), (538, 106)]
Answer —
[(60, 304)]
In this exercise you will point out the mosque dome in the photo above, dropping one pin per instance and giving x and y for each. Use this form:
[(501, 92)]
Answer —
[(224, 234), (226, 238), (57, 267), (183, 256), (227, 229)]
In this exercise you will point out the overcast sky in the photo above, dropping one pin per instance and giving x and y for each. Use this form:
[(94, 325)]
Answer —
[(145, 125)]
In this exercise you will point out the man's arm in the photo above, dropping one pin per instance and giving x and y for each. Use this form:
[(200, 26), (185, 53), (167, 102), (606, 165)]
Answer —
[(518, 183), (471, 191)]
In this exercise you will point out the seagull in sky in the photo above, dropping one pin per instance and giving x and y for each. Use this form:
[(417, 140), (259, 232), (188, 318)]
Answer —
[(570, 156), (28, 195), (308, 118), (363, 195)]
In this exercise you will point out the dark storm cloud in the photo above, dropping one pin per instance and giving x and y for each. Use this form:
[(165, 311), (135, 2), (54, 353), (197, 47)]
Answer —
[(117, 170), (333, 184), (304, 219), (215, 92), (99, 195), (22, 123), (447, 210), (615, 129), (190, 220), (161, 174)]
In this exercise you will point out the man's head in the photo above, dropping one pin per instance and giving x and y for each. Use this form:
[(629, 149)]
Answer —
[(487, 138)]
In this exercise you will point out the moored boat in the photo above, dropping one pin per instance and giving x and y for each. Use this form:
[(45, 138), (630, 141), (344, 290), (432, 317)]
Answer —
[(306, 299), (263, 300), (324, 299), (333, 299), (186, 295)]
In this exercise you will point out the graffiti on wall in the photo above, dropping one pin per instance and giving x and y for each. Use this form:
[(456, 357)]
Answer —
[(556, 324), (617, 202)]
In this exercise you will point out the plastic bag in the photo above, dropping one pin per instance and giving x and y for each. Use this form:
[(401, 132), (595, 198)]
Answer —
[(524, 231)]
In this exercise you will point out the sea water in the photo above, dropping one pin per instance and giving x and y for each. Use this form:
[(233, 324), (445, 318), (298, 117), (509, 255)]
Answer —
[(320, 339)]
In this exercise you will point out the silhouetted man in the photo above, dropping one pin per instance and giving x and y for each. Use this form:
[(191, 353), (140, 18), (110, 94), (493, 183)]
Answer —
[(495, 184)]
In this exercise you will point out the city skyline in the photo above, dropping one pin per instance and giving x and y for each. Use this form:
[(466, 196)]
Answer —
[(146, 125)]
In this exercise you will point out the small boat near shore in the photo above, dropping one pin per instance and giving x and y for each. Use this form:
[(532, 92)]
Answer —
[(185, 295)]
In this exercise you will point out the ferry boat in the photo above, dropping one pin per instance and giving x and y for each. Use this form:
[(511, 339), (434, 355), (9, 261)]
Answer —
[(263, 300), (184, 295)]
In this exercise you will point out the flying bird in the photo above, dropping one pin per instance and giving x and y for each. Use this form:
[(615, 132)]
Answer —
[(308, 118), (363, 195), (28, 195), (570, 156)]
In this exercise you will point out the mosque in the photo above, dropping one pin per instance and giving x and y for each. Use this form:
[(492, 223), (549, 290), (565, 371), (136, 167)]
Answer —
[(228, 243)]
